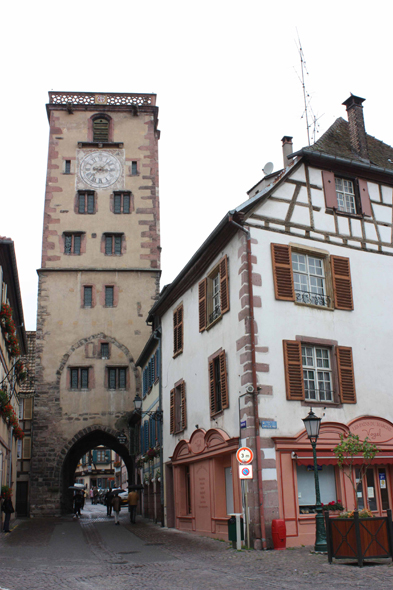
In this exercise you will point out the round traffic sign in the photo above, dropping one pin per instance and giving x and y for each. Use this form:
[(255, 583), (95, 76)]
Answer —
[(245, 471), (244, 455)]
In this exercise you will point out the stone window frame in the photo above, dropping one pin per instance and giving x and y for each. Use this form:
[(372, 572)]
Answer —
[(73, 235), (208, 316), (117, 369), (80, 368)]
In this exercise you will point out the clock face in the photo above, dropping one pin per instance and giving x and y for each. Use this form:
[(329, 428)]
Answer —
[(100, 169)]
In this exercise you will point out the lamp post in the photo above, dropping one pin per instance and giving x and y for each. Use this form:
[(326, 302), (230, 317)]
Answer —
[(312, 424), (155, 414)]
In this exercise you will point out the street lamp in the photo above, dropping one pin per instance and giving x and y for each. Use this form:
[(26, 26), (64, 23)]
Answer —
[(312, 424), (155, 414)]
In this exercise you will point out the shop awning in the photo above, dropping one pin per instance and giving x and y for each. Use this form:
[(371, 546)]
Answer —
[(329, 458)]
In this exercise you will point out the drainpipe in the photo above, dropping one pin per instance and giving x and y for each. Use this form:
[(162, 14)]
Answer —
[(254, 383), (158, 335)]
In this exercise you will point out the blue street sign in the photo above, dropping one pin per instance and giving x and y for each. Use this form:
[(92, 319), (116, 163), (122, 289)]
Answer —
[(268, 424)]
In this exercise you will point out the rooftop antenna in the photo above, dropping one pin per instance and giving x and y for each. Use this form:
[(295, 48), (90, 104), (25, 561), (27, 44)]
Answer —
[(308, 111)]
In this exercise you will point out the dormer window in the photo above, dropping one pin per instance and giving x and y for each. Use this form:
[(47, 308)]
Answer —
[(101, 129), (345, 195)]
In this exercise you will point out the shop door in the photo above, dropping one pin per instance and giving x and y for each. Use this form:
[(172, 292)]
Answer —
[(373, 491), (202, 497)]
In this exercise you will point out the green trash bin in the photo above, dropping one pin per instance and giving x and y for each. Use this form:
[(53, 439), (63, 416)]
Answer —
[(232, 529)]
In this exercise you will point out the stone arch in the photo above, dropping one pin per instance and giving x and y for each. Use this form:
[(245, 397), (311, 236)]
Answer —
[(83, 441), (91, 120), (101, 336)]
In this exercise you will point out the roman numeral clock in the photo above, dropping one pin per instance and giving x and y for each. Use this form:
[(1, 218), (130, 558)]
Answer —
[(100, 169)]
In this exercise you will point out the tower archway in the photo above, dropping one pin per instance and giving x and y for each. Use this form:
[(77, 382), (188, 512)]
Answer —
[(82, 442)]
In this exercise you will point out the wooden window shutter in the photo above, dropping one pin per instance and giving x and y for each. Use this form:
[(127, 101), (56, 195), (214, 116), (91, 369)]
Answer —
[(346, 375), (175, 331), (178, 330), (212, 389), (364, 197), (329, 189), (202, 292), (282, 272), (183, 406), (26, 447), (172, 412), (28, 408), (224, 288), (293, 370), (342, 284), (224, 381)]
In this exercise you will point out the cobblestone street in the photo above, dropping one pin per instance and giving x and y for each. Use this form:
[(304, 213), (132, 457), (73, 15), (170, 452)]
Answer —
[(93, 553)]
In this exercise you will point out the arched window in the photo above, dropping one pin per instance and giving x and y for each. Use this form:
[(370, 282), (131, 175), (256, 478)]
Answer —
[(100, 129)]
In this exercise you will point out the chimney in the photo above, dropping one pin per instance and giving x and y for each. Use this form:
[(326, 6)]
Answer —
[(357, 130), (287, 149)]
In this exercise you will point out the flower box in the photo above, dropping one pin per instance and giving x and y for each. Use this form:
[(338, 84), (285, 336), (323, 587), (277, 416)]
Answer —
[(359, 538)]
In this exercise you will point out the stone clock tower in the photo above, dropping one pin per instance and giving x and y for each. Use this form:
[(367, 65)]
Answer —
[(98, 279)]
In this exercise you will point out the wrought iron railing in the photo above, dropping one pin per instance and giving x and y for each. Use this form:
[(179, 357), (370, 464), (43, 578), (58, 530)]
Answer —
[(91, 98), (312, 298)]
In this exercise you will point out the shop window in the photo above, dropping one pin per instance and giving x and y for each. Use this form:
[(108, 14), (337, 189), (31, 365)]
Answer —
[(213, 295), (311, 278), (372, 489), (306, 487)]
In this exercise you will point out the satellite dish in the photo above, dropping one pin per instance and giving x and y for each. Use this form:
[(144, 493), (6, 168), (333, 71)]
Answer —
[(268, 168)]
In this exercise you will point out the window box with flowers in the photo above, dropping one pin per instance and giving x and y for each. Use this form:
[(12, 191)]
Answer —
[(9, 330)]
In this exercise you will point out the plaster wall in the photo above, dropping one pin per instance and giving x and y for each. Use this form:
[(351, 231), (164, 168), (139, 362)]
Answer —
[(192, 364)]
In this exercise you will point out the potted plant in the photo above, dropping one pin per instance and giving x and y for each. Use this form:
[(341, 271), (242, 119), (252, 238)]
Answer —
[(357, 535)]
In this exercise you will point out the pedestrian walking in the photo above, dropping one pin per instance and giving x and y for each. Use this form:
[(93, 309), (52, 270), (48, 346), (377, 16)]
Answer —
[(91, 495), (78, 503), (95, 495), (132, 500), (116, 503), (108, 502), (8, 509)]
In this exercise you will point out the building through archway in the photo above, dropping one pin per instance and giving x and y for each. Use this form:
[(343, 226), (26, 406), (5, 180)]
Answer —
[(86, 441)]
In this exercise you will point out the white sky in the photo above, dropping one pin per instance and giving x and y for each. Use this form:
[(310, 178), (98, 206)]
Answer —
[(226, 75)]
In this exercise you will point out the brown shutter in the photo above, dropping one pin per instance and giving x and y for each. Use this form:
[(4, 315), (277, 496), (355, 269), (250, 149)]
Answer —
[(364, 197), (212, 389), (329, 189), (28, 408), (293, 369), (172, 412), (342, 284), (282, 272), (346, 375), (175, 331), (180, 329), (224, 381), (224, 291), (202, 292), (26, 448), (183, 406)]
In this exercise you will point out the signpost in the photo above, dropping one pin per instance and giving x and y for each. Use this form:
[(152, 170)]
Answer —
[(244, 455)]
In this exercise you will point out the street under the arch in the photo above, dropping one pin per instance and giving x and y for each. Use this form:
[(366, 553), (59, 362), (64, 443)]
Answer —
[(91, 553)]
